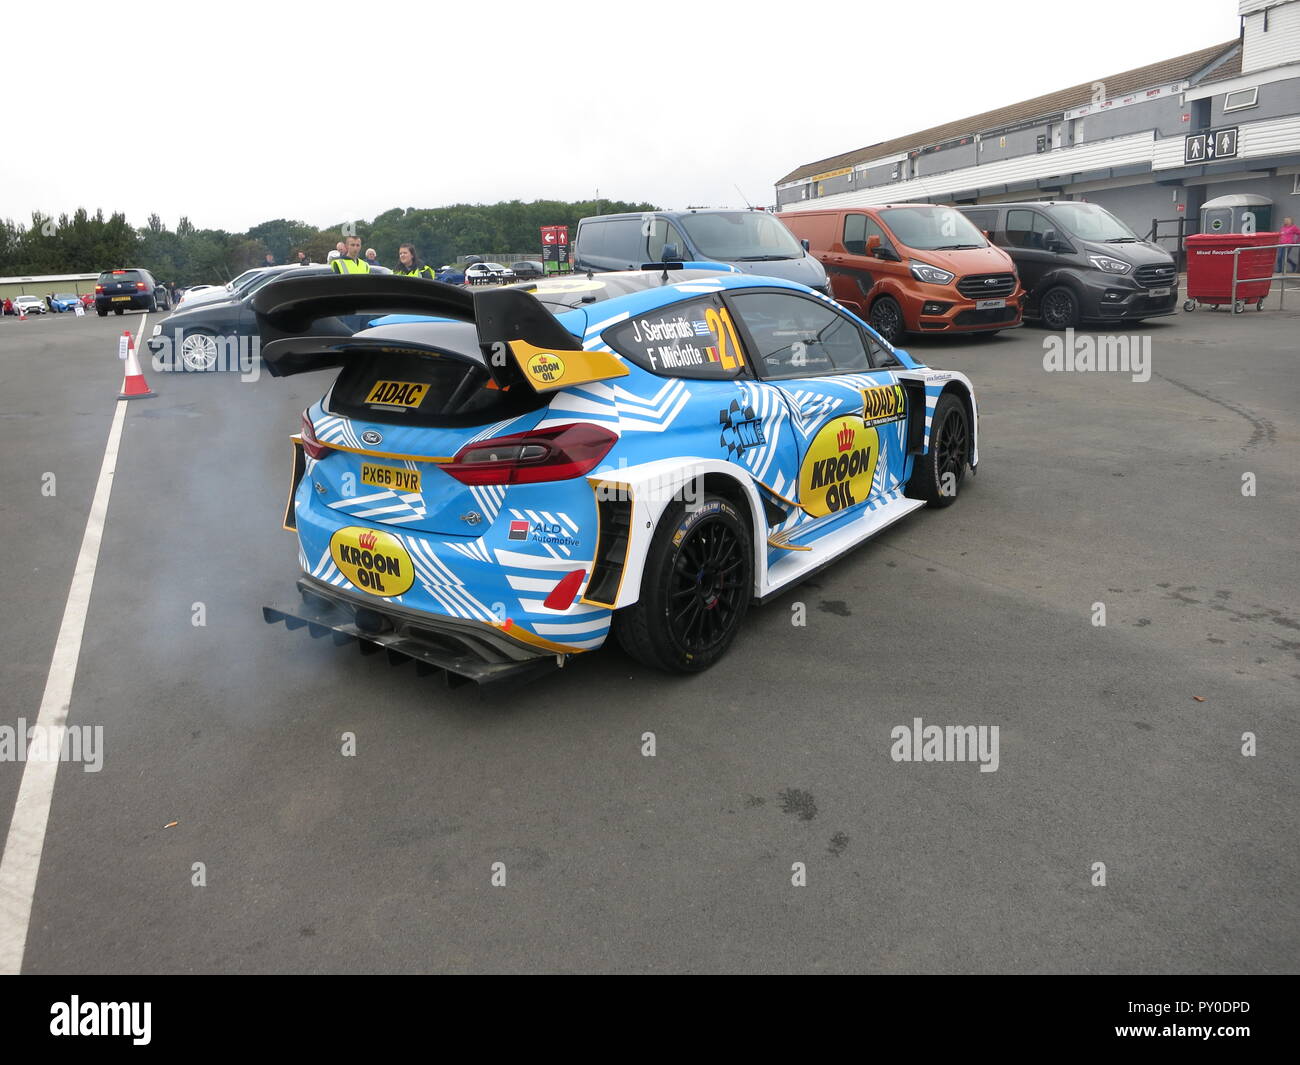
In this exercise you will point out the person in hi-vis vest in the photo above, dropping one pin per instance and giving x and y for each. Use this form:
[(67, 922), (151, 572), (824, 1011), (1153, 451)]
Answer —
[(410, 265), (350, 262)]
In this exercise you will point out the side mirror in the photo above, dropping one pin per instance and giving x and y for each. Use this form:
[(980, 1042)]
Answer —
[(670, 254), (1049, 240), (987, 236), (807, 246), (873, 245)]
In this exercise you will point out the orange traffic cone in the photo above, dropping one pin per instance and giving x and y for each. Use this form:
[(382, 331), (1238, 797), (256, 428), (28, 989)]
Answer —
[(134, 385), (22, 313)]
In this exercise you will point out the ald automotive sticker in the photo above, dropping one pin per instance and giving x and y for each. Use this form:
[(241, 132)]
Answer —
[(375, 562), (839, 466)]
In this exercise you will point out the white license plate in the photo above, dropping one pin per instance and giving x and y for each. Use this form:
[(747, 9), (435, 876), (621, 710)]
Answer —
[(988, 305), (1157, 292)]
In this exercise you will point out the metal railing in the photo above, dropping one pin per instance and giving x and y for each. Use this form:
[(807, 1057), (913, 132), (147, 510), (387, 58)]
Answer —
[(1185, 227), (1237, 306)]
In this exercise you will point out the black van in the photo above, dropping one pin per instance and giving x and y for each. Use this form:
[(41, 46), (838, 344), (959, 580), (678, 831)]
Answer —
[(753, 241), (1079, 263)]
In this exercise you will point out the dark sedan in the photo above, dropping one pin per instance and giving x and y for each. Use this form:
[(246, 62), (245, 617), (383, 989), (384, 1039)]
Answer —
[(223, 334)]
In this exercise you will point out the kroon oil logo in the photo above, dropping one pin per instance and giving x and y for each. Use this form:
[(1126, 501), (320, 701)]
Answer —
[(839, 466), (546, 368), (375, 562)]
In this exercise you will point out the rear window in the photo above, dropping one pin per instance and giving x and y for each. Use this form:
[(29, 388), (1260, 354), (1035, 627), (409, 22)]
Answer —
[(108, 277), (425, 389)]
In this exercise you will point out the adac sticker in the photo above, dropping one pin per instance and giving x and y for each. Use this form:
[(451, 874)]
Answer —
[(546, 368), (883, 404), (376, 562), (838, 469)]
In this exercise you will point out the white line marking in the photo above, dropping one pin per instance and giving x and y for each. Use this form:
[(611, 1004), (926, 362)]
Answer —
[(26, 839)]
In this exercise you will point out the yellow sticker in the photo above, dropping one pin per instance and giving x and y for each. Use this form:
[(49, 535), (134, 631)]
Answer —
[(883, 404), (393, 477), (839, 467), (546, 368), (376, 562), (398, 393)]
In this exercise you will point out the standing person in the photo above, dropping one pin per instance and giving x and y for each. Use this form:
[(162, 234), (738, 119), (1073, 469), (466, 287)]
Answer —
[(302, 259), (270, 260), (371, 257), (410, 264), (350, 262), (1287, 257)]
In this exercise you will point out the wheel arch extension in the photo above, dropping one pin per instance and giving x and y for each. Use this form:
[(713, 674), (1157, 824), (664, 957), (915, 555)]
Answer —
[(631, 503)]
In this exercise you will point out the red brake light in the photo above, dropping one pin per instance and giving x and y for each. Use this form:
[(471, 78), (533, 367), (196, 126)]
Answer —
[(140, 284), (313, 447), (555, 454), (99, 288)]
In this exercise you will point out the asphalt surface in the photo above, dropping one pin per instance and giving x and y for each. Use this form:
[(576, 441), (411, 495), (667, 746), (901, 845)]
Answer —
[(1092, 488)]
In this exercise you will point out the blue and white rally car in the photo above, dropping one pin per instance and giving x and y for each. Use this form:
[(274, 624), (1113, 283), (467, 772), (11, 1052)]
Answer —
[(498, 479)]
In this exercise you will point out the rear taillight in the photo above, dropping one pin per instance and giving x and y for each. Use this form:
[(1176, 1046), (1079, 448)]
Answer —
[(141, 285), (313, 447), (554, 454), (99, 288)]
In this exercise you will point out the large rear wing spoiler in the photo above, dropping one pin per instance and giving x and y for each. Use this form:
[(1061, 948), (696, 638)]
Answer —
[(301, 328)]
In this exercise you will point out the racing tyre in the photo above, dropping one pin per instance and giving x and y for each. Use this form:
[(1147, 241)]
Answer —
[(153, 306), (117, 310), (887, 319), (695, 589), (938, 474), (102, 314), (1059, 308)]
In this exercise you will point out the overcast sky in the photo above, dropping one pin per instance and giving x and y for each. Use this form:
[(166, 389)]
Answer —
[(326, 111)]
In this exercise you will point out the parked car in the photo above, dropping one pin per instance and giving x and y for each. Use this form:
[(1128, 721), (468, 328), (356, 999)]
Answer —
[(485, 273), (755, 242), (88, 300), (656, 450), (129, 289), (64, 302), (528, 270), (30, 305), (913, 268), (1079, 263), (450, 276), (206, 337)]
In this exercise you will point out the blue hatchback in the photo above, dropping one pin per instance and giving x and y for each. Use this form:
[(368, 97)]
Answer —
[(529, 469)]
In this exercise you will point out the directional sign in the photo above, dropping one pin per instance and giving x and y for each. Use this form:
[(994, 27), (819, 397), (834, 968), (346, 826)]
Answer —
[(1211, 145)]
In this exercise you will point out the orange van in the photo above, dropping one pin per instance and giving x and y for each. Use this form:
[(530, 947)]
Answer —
[(913, 268)]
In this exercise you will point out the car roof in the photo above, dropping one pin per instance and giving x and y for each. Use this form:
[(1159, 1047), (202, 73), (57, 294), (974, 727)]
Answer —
[(577, 299), (676, 214)]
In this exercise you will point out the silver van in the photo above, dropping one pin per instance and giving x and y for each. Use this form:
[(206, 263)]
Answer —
[(753, 241)]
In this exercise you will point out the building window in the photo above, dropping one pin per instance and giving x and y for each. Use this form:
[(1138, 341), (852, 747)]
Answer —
[(1241, 99)]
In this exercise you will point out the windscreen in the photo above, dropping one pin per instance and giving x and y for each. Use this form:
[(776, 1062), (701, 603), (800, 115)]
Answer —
[(1087, 221), (932, 228), (739, 236)]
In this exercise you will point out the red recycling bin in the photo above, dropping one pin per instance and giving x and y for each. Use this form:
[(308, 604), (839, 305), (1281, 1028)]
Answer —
[(1209, 268)]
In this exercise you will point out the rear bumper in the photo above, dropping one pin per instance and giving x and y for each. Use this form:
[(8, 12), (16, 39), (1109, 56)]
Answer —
[(108, 303), (459, 649)]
